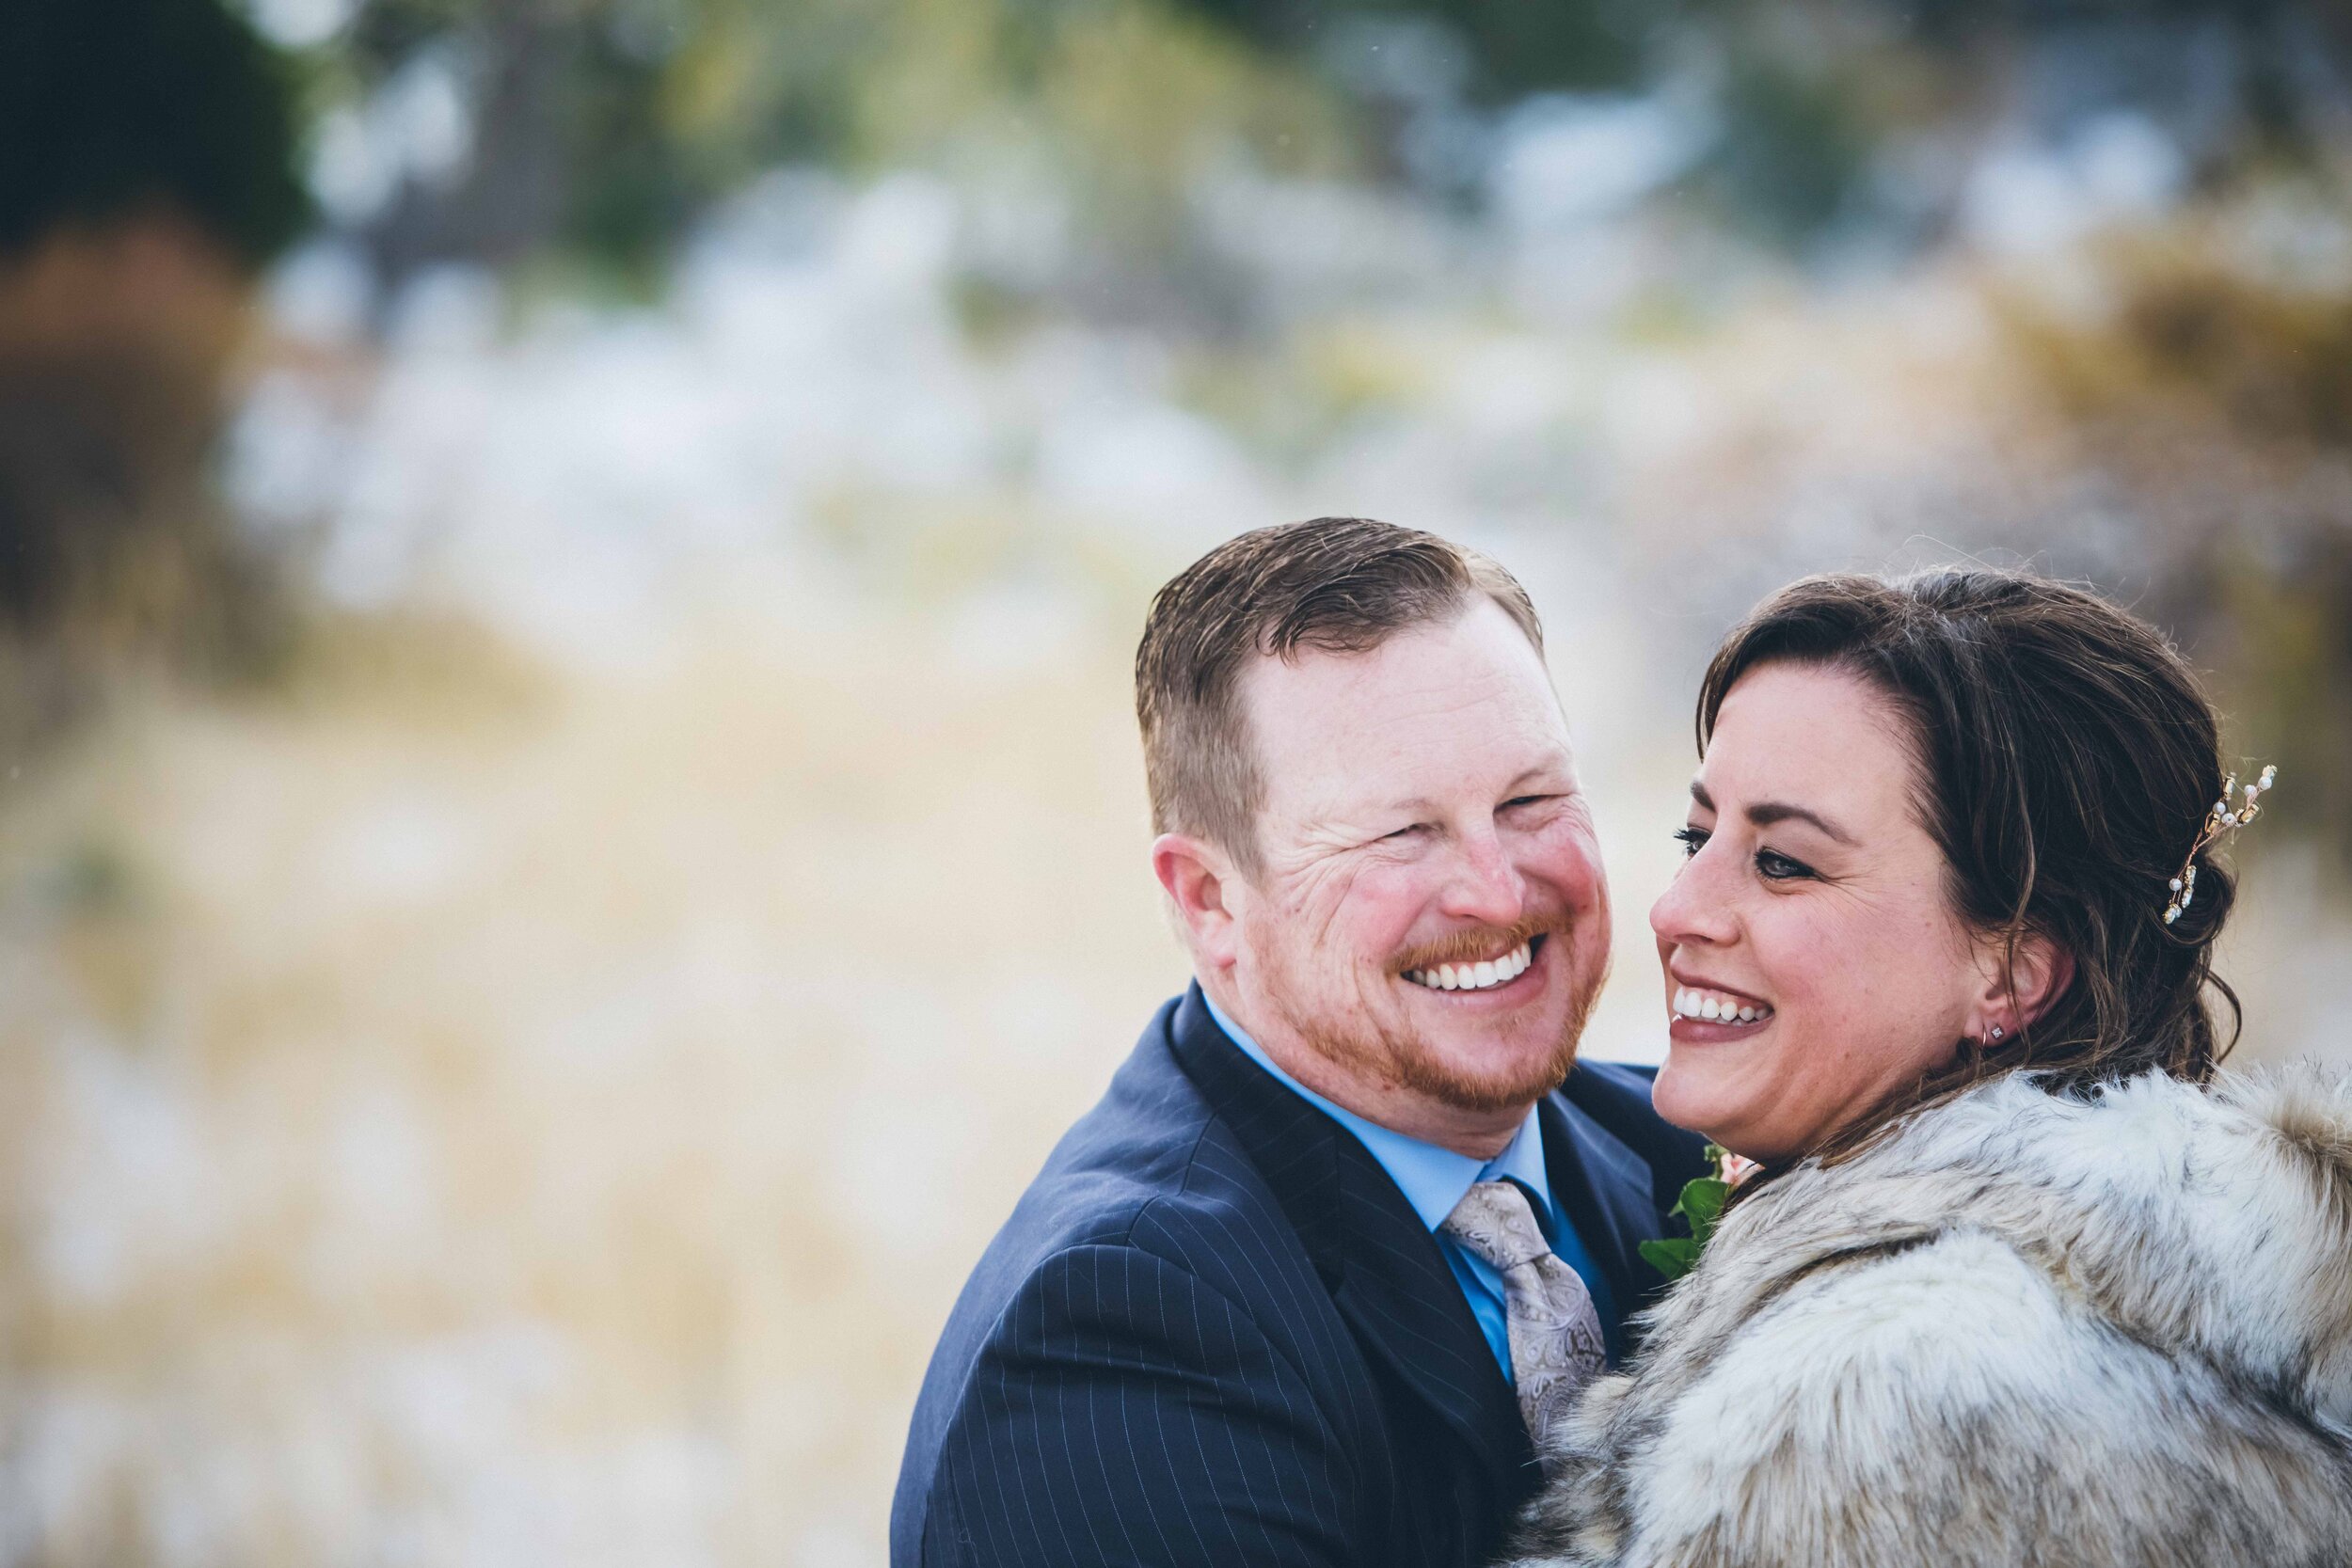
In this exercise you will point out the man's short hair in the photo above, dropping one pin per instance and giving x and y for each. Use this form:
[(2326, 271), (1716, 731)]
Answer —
[(1335, 584)]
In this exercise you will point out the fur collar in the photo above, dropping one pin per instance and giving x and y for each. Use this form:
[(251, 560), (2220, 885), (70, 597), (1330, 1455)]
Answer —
[(2017, 1305)]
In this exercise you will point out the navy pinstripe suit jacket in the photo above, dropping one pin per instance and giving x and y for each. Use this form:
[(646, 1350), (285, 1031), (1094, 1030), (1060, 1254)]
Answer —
[(1213, 1331)]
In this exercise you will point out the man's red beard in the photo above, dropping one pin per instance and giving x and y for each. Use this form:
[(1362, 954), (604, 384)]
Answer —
[(1406, 1060), (1479, 941)]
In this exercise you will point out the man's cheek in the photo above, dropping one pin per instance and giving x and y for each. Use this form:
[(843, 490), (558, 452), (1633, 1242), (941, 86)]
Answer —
[(1321, 900), (1367, 917), (1571, 854)]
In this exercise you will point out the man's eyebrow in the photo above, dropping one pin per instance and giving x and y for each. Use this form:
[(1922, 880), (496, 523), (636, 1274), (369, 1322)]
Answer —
[(1765, 813), (1543, 772)]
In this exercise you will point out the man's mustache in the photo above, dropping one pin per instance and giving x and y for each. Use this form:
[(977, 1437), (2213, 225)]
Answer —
[(1474, 943)]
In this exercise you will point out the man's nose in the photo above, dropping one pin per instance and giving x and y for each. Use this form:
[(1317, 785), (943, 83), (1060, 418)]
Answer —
[(1484, 886)]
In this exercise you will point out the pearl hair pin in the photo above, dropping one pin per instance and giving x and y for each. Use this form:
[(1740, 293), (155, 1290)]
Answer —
[(2224, 817)]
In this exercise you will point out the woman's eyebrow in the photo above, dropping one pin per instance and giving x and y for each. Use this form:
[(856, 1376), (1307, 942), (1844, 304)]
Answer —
[(1765, 813)]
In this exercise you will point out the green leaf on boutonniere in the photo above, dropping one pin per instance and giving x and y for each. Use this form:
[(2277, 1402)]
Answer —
[(1701, 1206), (1674, 1257)]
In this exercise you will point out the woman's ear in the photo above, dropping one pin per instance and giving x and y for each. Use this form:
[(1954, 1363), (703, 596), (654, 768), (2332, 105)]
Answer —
[(1199, 880), (2017, 993)]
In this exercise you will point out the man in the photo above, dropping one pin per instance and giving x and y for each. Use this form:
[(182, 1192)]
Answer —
[(1295, 1292)]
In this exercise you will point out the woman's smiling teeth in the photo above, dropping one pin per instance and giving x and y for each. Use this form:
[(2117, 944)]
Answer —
[(1477, 977), (1717, 1007)]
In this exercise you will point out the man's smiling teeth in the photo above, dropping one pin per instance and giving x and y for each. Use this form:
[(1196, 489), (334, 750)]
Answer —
[(1719, 1007), (1477, 977)]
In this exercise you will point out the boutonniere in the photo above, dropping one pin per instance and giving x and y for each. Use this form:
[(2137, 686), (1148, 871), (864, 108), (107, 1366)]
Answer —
[(1702, 1206)]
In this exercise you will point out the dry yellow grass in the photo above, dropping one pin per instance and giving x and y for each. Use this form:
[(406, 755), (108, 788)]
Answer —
[(499, 1116)]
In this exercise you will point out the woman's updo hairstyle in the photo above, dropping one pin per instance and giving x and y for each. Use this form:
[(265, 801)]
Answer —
[(2065, 762)]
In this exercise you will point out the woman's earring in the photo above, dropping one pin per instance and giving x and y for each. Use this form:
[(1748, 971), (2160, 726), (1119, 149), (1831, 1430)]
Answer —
[(1998, 1031)]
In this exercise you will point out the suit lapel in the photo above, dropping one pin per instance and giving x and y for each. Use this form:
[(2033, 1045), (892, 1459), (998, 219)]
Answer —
[(1293, 1144), (1405, 1304), (1604, 1189), (1384, 1271)]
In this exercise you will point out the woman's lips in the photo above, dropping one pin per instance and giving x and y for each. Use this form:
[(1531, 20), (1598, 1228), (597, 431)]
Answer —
[(1707, 1014), (1713, 1004)]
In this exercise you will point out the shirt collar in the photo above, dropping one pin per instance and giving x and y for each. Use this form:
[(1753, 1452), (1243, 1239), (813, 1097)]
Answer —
[(1432, 1179)]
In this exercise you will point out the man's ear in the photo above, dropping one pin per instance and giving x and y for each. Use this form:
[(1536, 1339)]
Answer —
[(2038, 972), (1198, 877)]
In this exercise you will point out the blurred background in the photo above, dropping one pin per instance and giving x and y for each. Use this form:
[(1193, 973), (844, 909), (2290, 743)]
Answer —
[(571, 828)]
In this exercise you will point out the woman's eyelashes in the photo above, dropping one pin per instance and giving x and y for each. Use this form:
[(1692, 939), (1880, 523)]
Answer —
[(1771, 865)]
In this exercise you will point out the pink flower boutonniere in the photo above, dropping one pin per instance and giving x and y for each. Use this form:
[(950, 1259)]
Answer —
[(1702, 1206)]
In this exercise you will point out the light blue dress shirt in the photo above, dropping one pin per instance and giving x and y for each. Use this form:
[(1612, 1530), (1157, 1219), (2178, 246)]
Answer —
[(1434, 1180)]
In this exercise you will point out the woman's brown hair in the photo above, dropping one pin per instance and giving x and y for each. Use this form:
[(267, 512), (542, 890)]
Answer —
[(2065, 762)]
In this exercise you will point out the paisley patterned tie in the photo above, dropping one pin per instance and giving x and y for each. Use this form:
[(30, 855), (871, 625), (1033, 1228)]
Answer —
[(1556, 1345)]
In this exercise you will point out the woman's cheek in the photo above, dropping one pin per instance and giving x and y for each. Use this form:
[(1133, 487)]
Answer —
[(1673, 1096)]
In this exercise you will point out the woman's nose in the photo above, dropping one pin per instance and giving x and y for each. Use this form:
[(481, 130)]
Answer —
[(1696, 905)]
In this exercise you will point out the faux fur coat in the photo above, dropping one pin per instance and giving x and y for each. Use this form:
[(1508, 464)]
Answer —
[(2024, 1330)]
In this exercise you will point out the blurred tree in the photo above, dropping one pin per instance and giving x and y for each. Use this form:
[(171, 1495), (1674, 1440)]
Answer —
[(1512, 48), (146, 173), (601, 130), (109, 108), (1809, 97)]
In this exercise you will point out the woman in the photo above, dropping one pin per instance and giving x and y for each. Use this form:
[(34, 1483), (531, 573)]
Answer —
[(2016, 1284)]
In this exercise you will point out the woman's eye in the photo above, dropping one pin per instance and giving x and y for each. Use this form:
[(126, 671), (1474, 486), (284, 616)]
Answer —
[(1692, 839), (1775, 866), (1407, 832)]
